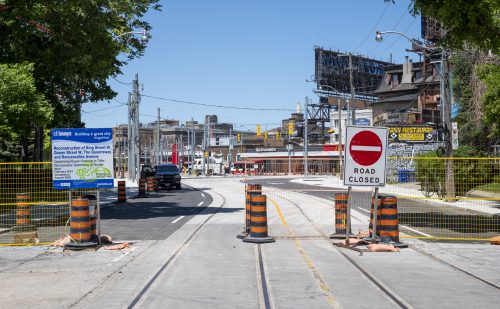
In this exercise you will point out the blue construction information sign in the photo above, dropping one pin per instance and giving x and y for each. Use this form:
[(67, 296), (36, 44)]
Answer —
[(82, 158)]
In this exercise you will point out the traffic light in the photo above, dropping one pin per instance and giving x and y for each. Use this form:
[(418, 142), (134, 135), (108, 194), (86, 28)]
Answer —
[(290, 128), (258, 130), (238, 137), (278, 134), (265, 135)]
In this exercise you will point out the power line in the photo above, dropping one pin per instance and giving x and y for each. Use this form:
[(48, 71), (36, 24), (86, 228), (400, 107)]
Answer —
[(370, 34), (106, 108), (393, 27), (395, 41), (219, 106), (123, 83)]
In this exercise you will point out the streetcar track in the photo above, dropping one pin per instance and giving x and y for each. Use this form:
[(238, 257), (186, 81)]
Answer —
[(266, 296), (391, 294), (400, 301), (148, 285)]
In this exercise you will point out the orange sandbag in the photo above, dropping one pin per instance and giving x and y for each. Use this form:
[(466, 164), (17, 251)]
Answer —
[(353, 242), (60, 242), (117, 246), (495, 240), (382, 248)]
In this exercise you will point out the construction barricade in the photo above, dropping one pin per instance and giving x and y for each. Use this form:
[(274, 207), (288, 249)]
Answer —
[(150, 184), (250, 190), (388, 224), (258, 221), (340, 216), (80, 233), (122, 193), (142, 187), (92, 215), (24, 231)]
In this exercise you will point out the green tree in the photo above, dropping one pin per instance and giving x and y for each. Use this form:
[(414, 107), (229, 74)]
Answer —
[(476, 88), (22, 108), (75, 47), (467, 22), (490, 76)]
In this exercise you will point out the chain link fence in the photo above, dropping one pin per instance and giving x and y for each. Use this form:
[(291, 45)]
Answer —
[(31, 211), (432, 202)]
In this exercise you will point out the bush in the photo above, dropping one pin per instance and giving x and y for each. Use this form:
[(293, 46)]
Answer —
[(470, 170)]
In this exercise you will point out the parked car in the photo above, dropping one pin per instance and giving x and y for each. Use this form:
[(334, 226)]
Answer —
[(167, 175)]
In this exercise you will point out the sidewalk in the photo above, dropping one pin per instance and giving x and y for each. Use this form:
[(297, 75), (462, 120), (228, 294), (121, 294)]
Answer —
[(203, 265)]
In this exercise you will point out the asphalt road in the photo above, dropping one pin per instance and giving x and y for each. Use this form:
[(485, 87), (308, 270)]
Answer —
[(155, 217)]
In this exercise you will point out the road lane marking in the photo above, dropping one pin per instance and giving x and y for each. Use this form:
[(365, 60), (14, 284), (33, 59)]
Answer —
[(332, 301), (416, 231), (200, 203), (363, 209), (177, 220)]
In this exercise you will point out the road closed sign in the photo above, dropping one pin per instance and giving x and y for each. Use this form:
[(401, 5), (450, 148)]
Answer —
[(365, 156)]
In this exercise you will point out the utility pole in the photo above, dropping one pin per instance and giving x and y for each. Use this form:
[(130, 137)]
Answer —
[(158, 141), (119, 137), (193, 141), (134, 149), (341, 158), (445, 85), (204, 146), (306, 140), (289, 146), (230, 154), (353, 93), (131, 139)]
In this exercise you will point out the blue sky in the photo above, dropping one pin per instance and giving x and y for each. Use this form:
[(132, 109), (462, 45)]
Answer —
[(248, 53)]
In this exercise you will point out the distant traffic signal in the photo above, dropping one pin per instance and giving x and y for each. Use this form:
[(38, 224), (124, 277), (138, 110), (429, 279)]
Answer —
[(238, 137), (258, 130), (265, 135), (290, 128), (278, 134)]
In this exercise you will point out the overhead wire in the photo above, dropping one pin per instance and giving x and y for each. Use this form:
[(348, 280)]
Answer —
[(214, 105), (123, 83), (405, 11), (396, 40), (370, 34)]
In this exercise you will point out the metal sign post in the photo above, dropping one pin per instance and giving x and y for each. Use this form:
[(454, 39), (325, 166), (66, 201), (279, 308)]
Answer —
[(374, 237), (364, 165), (98, 210), (348, 217)]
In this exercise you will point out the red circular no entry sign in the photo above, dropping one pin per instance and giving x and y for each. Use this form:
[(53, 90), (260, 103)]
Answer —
[(365, 148)]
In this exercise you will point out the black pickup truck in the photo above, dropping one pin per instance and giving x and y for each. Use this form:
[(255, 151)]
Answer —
[(167, 175)]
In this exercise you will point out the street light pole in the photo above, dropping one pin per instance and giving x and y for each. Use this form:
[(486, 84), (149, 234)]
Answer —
[(340, 140), (306, 139)]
